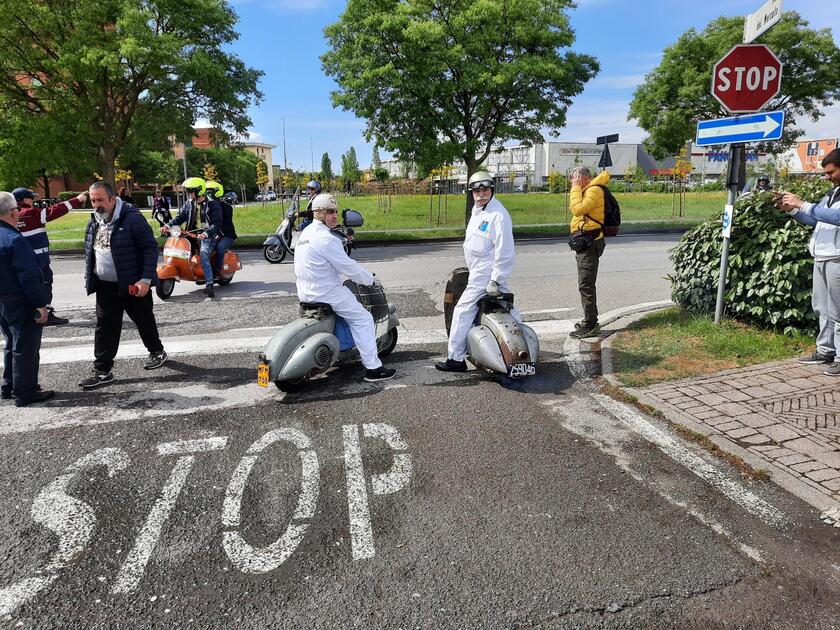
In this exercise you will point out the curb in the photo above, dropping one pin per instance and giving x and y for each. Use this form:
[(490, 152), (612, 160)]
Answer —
[(829, 510)]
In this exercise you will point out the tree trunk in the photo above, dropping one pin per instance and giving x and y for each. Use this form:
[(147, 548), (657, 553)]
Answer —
[(108, 159), (472, 167)]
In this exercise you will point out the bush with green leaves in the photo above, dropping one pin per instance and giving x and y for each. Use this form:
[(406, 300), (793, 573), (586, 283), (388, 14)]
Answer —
[(770, 268)]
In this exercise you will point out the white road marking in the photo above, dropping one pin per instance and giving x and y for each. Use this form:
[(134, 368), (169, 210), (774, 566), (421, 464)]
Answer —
[(546, 311), (72, 520), (707, 472), (135, 563), (361, 532), (255, 560)]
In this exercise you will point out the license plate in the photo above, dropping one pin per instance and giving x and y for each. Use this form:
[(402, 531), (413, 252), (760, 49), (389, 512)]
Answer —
[(522, 369), (262, 375)]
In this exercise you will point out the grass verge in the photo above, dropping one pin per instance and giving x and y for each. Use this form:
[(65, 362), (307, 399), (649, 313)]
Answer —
[(673, 344)]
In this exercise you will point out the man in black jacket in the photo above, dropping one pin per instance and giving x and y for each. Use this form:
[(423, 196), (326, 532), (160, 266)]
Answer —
[(120, 259), (23, 309)]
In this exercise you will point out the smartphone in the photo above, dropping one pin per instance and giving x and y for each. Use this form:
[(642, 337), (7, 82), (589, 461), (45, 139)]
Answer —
[(132, 289)]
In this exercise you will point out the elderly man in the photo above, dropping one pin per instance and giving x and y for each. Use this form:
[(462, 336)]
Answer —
[(320, 261), (586, 200), (825, 248), (120, 259), (489, 254), (23, 309)]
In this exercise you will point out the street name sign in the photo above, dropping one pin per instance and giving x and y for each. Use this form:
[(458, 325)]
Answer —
[(759, 22), (746, 78), (751, 128), (607, 139)]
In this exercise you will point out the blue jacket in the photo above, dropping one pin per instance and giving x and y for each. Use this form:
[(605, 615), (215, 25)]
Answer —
[(133, 247), (208, 212), (20, 274)]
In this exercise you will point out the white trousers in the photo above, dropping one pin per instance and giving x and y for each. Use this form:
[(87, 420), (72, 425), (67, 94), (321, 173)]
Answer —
[(465, 312), (345, 304)]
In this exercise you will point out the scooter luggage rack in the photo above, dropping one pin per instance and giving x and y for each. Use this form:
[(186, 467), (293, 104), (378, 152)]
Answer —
[(315, 310)]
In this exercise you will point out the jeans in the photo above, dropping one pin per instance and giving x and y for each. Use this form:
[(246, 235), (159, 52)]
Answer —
[(208, 245), (587, 267), (305, 223), (23, 344), (110, 306), (222, 246)]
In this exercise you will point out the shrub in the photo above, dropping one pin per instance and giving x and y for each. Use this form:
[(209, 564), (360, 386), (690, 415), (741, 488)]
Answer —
[(770, 269)]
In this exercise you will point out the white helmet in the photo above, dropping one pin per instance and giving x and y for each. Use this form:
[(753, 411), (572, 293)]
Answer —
[(480, 179), (324, 202)]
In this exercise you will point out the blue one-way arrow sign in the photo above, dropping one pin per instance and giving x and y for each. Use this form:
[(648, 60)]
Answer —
[(750, 128)]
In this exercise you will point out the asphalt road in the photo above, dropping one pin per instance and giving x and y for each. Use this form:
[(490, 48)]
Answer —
[(190, 497)]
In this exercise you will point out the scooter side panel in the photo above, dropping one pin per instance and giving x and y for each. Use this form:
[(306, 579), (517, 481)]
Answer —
[(484, 351), (272, 240), (286, 340), (167, 271), (302, 362), (532, 340), (509, 336), (231, 264)]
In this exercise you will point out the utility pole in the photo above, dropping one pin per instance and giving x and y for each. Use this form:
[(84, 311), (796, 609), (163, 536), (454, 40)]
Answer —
[(311, 156)]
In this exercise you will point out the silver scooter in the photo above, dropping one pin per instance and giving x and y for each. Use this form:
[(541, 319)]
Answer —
[(319, 339), (496, 343)]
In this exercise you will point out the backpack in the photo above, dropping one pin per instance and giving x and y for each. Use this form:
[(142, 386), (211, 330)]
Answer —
[(612, 213)]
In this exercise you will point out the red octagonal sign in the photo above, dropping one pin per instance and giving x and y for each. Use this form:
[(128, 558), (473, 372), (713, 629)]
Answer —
[(746, 78)]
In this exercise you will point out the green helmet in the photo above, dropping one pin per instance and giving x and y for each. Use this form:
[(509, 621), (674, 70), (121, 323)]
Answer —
[(195, 184), (215, 189)]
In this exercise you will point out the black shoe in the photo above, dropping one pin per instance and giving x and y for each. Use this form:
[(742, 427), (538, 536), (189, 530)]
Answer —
[(53, 319), (96, 379), (380, 374), (580, 325), (155, 360), (587, 330), (201, 283), (817, 358), (5, 394), (209, 290), (34, 399), (450, 365)]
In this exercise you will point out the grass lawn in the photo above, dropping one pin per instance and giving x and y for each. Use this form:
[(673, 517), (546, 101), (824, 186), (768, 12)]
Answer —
[(407, 212), (673, 344)]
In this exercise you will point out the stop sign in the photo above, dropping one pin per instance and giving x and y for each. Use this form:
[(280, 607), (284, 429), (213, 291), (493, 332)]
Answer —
[(746, 78)]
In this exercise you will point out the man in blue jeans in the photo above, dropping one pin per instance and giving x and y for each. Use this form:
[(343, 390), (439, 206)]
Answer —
[(227, 234), (23, 309)]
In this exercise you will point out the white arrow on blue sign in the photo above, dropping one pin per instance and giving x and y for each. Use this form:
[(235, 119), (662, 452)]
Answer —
[(749, 128)]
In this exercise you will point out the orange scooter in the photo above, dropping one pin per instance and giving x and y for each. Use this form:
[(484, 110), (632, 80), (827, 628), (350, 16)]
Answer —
[(179, 263)]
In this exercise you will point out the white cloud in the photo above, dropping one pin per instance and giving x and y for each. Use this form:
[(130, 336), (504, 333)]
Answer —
[(826, 127)]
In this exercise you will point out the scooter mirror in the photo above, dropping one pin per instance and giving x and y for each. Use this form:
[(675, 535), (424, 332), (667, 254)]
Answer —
[(175, 231)]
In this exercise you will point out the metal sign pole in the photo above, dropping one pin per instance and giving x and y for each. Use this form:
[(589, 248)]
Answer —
[(736, 152)]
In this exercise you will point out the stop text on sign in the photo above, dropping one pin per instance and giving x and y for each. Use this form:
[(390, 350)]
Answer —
[(746, 78)]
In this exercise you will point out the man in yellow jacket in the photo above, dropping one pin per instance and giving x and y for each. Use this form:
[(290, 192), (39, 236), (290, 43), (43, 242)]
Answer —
[(587, 205)]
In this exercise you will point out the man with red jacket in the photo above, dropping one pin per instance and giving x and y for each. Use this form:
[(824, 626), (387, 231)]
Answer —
[(33, 225)]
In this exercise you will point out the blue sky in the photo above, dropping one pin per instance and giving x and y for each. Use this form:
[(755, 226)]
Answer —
[(284, 38)]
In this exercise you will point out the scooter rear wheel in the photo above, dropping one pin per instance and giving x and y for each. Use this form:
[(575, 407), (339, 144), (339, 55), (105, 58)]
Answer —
[(274, 253), (165, 288), (293, 385), (389, 342)]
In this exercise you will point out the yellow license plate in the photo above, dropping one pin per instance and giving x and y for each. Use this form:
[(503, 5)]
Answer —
[(262, 375)]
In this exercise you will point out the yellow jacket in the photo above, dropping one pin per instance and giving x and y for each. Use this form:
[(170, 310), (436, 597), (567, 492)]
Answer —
[(588, 201)]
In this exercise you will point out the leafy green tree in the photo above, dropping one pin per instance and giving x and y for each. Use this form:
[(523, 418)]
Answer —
[(375, 160), (441, 81), (676, 94), (114, 77), (326, 169), (381, 174), (350, 170), (157, 167), (262, 174)]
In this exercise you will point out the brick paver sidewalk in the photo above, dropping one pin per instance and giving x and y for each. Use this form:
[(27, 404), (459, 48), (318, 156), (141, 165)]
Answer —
[(785, 413)]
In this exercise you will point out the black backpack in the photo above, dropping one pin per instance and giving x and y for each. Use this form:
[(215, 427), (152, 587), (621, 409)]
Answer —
[(612, 214)]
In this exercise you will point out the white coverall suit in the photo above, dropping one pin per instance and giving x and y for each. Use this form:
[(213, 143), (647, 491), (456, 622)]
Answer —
[(319, 262), (488, 250)]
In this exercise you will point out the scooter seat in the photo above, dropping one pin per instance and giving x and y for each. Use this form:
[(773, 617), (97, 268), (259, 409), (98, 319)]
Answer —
[(490, 303), (315, 309)]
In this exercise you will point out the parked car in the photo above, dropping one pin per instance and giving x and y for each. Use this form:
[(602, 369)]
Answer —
[(268, 195), (231, 198)]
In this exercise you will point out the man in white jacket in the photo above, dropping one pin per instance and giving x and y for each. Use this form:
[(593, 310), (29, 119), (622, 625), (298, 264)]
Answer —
[(320, 261), (488, 250), (825, 248)]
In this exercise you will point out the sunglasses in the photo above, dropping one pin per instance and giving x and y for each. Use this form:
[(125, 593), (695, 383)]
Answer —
[(483, 185)]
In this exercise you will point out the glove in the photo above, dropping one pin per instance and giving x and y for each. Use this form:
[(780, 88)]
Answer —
[(376, 282), (493, 288)]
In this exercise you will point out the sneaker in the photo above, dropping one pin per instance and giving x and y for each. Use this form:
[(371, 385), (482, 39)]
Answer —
[(817, 358), (587, 330), (5, 394), (833, 370), (209, 290), (450, 365), (380, 374), (579, 325), (96, 379), (53, 319), (34, 399), (201, 282), (156, 359)]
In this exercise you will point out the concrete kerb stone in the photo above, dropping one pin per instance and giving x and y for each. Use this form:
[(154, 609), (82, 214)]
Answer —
[(829, 509)]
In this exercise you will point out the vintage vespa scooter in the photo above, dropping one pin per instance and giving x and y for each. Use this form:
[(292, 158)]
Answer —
[(496, 343), (180, 264), (319, 339)]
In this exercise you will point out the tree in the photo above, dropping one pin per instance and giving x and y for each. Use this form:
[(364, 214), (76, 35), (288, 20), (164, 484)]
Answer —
[(209, 172), (262, 174), (676, 94), (439, 81), (375, 160), (326, 169), (113, 78), (350, 170)]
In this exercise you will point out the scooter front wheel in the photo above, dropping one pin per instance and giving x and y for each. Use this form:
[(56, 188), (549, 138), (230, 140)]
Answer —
[(292, 385), (388, 343), (165, 288), (274, 253)]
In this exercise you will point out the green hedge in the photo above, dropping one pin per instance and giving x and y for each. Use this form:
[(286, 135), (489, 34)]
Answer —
[(770, 268)]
